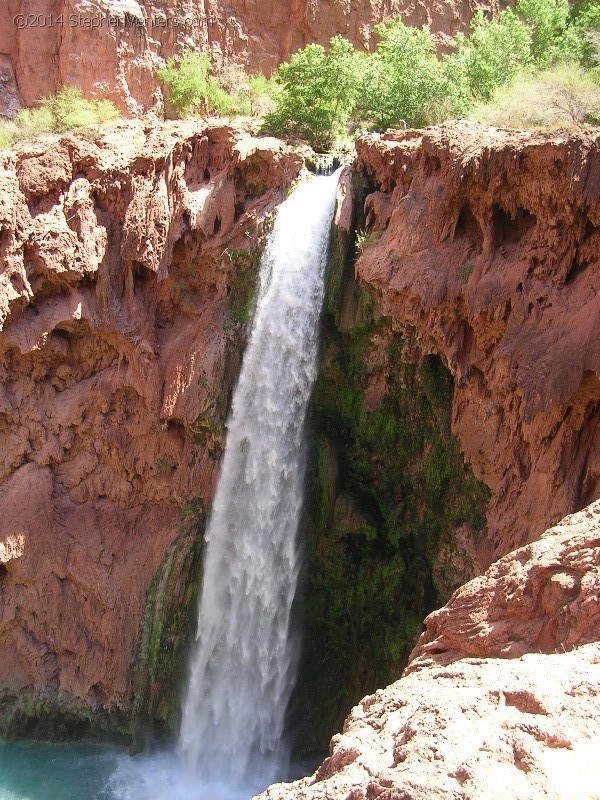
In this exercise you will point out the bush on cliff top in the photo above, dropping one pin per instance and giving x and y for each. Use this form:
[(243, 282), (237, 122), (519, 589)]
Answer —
[(402, 78), (563, 96), (191, 89), (316, 91), (403, 83), (66, 110)]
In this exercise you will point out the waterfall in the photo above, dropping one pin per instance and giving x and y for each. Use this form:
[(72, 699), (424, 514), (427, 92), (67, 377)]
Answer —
[(243, 665)]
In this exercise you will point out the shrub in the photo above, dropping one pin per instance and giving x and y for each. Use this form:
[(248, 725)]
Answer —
[(558, 97), (66, 110), (493, 55), (315, 93), (402, 77), (260, 95), (187, 80), (69, 109), (6, 134), (193, 89), (552, 39), (586, 22)]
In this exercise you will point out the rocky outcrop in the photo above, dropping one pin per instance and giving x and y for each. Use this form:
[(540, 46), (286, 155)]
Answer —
[(128, 266), (542, 598), (114, 49), (483, 248), (502, 694)]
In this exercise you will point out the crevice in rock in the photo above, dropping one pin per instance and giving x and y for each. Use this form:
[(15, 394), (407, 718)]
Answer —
[(510, 229)]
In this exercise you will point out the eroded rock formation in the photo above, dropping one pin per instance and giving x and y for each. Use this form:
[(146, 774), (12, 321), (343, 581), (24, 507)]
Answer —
[(502, 695), (484, 247), (114, 49), (127, 274), (128, 265)]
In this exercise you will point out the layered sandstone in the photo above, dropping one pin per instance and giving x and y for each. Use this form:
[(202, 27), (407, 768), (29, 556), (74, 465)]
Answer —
[(127, 259), (483, 248), (71, 42), (502, 696)]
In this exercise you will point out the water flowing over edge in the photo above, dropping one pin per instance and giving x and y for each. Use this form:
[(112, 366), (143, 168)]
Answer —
[(243, 666)]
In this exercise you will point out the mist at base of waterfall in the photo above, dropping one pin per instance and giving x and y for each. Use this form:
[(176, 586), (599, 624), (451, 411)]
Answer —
[(104, 772)]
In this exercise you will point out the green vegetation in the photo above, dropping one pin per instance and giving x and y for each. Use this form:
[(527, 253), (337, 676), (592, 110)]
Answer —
[(242, 283), (316, 92), (192, 89), (465, 270), (322, 95), (64, 111), (559, 96), (388, 491), (402, 79), (158, 667)]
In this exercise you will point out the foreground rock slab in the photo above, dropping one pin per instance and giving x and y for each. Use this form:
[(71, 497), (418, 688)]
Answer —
[(478, 727)]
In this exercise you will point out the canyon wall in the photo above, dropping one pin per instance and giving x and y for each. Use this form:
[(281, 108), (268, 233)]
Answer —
[(459, 356), (454, 418), (457, 410), (128, 269), (112, 50), (483, 246)]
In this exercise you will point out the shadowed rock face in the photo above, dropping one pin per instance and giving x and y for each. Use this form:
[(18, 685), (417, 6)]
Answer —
[(118, 59), (485, 244), (127, 269), (502, 693)]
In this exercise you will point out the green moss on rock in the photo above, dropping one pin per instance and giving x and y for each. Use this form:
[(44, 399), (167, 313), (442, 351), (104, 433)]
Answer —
[(160, 663), (52, 716), (387, 489)]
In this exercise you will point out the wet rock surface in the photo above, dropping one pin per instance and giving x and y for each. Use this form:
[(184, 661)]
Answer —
[(485, 243)]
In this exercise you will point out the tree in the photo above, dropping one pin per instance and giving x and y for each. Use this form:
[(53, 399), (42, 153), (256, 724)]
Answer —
[(497, 50), (552, 38), (402, 78), (315, 93)]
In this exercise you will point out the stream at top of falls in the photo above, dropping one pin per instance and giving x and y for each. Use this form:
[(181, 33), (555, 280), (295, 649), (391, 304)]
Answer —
[(243, 665)]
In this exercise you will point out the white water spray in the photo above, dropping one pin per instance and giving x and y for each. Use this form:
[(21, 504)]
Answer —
[(243, 666)]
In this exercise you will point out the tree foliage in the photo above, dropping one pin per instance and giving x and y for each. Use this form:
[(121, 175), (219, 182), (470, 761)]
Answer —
[(494, 53), (405, 83), (187, 81), (402, 78), (316, 92)]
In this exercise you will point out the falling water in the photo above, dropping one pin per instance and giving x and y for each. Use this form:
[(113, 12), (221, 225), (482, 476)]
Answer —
[(242, 669), (243, 666)]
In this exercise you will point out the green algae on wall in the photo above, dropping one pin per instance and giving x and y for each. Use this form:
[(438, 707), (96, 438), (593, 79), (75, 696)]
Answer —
[(50, 716), (160, 663), (387, 491)]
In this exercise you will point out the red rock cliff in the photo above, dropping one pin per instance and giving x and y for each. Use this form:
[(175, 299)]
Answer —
[(122, 286), (50, 43), (502, 696), (484, 245)]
